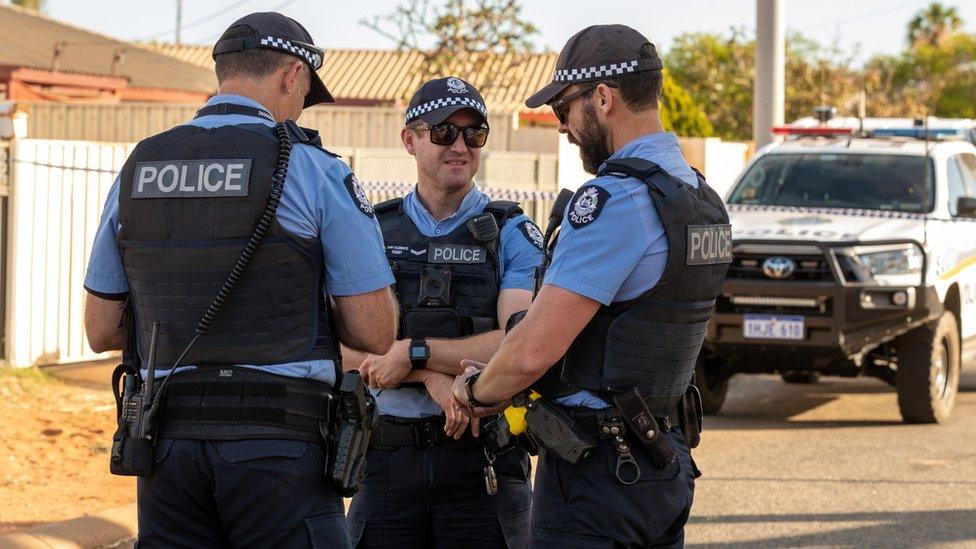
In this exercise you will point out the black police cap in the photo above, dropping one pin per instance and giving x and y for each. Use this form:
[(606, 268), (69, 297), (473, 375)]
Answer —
[(274, 31), (440, 98), (599, 52)]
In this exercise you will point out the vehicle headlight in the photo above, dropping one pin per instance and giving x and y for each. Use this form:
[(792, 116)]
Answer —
[(885, 265)]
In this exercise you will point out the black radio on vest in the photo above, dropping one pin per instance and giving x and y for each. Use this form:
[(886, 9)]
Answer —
[(447, 286)]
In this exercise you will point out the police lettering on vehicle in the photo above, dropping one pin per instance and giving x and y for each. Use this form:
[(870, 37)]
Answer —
[(456, 253), (358, 195), (709, 244), (587, 205), (532, 233), (192, 178)]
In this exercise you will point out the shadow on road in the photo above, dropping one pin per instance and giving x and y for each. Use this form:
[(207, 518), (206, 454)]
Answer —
[(904, 529), (766, 402)]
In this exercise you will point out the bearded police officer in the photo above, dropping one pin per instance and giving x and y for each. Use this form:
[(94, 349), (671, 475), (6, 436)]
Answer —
[(239, 457), (463, 265), (621, 314)]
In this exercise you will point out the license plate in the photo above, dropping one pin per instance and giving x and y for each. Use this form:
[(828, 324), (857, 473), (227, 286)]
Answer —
[(772, 327)]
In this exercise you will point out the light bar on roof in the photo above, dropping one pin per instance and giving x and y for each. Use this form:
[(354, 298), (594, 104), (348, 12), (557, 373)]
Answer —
[(919, 132), (821, 130)]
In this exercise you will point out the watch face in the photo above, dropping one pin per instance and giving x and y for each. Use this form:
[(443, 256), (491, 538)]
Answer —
[(418, 352)]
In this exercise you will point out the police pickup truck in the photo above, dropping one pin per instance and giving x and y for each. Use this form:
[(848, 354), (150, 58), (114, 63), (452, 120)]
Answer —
[(853, 255)]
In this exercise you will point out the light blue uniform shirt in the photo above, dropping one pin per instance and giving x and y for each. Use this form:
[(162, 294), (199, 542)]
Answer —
[(621, 251), (518, 256), (314, 204)]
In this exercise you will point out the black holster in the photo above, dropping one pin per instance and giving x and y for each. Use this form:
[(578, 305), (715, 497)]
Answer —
[(690, 415)]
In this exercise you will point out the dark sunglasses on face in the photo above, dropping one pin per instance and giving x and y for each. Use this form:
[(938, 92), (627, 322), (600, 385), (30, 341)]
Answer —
[(560, 107), (446, 134)]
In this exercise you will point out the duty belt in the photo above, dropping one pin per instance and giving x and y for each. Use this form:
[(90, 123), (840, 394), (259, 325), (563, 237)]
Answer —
[(392, 432), (226, 403), (592, 420)]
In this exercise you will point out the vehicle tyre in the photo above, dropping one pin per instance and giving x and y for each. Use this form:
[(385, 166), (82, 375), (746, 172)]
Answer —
[(927, 378), (712, 383), (800, 377)]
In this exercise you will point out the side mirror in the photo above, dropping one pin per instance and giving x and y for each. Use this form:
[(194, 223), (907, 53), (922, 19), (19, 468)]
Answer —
[(966, 207)]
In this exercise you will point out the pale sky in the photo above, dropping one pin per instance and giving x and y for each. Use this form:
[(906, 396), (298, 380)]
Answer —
[(865, 26)]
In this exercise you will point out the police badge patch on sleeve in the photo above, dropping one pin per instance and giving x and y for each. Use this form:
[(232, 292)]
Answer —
[(587, 205), (358, 195), (532, 233)]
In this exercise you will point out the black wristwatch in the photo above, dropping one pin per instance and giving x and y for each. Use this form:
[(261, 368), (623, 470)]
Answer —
[(419, 353), (469, 385)]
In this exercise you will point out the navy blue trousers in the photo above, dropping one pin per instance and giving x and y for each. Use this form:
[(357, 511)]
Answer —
[(585, 506), (249, 493), (435, 497)]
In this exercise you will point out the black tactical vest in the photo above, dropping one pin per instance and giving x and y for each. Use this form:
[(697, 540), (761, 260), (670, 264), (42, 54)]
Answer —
[(447, 286), (653, 341), (188, 201)]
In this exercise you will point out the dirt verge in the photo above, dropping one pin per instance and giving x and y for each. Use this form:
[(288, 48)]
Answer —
[(54, 444)]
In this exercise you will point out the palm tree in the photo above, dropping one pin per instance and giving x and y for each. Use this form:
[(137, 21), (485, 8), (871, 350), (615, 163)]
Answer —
[(933, 25)]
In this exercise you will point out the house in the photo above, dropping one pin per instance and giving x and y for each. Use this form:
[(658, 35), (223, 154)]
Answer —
[(388, 77), (43, 59)]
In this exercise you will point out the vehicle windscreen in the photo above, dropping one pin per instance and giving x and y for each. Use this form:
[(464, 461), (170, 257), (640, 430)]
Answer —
[(831, 180)]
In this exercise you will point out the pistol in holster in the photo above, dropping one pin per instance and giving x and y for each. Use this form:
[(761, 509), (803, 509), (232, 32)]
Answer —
[(356, 418)]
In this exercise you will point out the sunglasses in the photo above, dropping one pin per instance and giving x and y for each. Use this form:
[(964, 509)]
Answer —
[(446, 134), (560, 107)]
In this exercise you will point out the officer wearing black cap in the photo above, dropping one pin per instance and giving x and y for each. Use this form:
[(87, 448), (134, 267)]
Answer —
[(244, 253), (612, 337), (463, 264)]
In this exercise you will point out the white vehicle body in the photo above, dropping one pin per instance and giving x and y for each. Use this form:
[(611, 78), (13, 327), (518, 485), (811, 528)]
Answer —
[(870, 263)]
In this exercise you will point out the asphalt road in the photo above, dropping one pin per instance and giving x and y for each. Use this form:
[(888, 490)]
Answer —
[(824, 465), (831, 465)]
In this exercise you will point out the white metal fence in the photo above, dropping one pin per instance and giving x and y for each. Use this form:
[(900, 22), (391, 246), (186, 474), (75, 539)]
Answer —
[(56, 199)]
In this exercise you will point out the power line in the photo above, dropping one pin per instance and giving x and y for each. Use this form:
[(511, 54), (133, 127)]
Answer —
[(861, 16), (197, 22)]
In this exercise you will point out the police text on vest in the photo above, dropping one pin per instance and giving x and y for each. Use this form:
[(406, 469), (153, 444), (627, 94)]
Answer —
[(192, 178)]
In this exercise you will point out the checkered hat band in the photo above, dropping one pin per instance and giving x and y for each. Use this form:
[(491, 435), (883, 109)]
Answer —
[(429, 106), (587, 73), (294, 49)]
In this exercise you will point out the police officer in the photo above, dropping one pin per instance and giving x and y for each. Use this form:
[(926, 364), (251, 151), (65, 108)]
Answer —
[(239, 457), (463, 265), (623, 308)]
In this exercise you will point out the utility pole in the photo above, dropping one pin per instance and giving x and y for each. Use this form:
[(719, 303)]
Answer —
[(769, 96), (179, 19)]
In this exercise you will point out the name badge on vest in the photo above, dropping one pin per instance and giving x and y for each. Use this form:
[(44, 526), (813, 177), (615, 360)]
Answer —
[(456, 253), (709, 244), (192, 178), (399, 251)]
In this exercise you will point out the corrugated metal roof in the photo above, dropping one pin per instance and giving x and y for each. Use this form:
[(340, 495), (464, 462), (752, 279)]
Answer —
[(392, 76), (28, 40)]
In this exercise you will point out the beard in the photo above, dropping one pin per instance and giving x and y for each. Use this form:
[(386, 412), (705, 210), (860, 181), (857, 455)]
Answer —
[(594, 150)]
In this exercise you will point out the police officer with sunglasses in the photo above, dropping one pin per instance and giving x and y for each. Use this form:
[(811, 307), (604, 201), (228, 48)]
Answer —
[(463, 264), (612, 338)]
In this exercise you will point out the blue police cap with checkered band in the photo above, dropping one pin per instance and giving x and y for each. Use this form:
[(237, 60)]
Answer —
[(598, 52), (438, 99), (274, 31)]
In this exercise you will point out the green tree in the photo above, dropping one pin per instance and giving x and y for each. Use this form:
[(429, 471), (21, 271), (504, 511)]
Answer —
[(456, 29), (933, 25), (718, 71), (36, 5), (679, 112)]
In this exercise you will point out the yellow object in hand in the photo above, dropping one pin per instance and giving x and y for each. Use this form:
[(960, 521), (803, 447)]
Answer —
[(515, 415)]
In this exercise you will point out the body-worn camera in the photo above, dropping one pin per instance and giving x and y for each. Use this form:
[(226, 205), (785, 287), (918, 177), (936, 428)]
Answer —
[(435, 287)]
